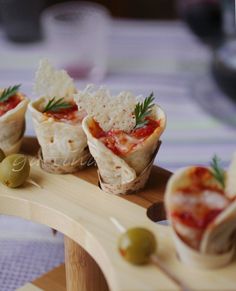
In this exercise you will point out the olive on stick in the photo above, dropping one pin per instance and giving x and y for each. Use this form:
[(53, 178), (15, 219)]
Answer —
[(14, 170), (138, 246)]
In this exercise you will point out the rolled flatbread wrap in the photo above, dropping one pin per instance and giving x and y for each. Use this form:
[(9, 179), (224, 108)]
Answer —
[(12, 121), (63, 143), (124, 156), (202, 217), (58, 122)]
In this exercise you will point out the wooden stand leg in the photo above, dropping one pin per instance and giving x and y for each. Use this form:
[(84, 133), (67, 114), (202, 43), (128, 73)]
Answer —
[(82, 272)]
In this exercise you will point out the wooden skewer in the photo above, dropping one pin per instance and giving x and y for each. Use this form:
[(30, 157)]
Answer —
[(154, 259), (31, 181), (117, 224)]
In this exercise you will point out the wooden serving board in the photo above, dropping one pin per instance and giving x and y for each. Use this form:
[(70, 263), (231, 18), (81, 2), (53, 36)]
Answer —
[(75, 206)]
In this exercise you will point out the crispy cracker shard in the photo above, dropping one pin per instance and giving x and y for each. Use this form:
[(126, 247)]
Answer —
[(50, 82), (111, 112)]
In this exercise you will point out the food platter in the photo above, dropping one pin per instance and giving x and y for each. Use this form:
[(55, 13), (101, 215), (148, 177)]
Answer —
[(74, 205), (92, 178)]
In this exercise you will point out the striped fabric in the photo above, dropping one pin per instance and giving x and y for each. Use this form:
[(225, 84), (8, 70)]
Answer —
[(162, 57)]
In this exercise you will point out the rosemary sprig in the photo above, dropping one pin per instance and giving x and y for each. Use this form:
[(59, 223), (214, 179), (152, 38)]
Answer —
[(8, 92), (55, 105), (142, 110), (217, 171)]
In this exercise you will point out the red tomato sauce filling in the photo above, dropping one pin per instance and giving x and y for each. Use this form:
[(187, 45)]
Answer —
[(11, 103), (199, 177), (120, 142), (64, 114), (188, 219), (199, 215)]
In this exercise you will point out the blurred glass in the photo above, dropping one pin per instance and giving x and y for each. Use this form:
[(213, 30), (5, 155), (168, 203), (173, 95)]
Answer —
[(21, 19), (204, 17), (228, 9), (224, 68), (224, 60), (213, 21), (77, 36)]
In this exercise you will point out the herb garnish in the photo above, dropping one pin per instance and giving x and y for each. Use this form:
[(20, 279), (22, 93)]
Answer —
[(55, 105), (217, 171), (9, 92), (142, 110)]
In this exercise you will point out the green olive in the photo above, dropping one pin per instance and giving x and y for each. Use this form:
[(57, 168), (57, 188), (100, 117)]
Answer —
[(2, 155), (137, 244), (14, 170)]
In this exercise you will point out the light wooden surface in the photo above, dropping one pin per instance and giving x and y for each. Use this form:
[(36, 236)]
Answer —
[(81, 211)]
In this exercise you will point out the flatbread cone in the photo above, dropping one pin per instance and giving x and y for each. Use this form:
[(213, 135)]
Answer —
[(63, 145), (131, 187), (223, 230), (126, 174), (217, 243), (220, 237), (53, 168), (195, 259), (12, 127)]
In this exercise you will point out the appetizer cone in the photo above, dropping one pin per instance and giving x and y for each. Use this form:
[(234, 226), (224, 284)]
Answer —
[(193, 258), (57, 122), (124, 155), (202, 216), (13, 106)]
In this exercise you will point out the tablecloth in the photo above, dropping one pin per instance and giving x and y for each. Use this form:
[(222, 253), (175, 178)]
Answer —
[(144, 56)]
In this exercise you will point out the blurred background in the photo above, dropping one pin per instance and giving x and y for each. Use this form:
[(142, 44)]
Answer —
[(183, 51), (67, 32)]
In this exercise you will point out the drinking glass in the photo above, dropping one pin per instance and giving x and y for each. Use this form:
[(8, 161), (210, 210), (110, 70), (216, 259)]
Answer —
[(77, 36)]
